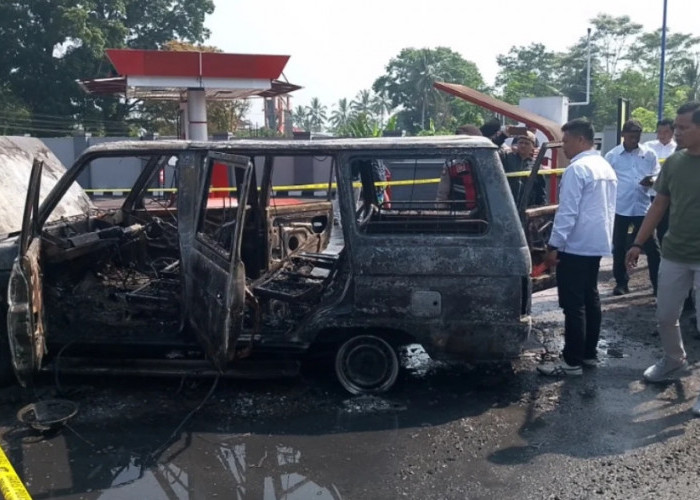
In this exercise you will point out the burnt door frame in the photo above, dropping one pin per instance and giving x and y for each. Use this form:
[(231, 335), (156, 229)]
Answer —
[(216, 275)]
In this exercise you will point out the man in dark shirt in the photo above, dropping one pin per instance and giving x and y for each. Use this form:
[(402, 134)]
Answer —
[(522, 160)]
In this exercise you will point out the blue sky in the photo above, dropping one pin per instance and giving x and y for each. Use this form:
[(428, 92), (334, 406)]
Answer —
[(339, 47)]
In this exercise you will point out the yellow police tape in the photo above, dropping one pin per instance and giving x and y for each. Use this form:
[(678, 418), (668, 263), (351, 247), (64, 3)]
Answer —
[(10, 484), (324, 185)]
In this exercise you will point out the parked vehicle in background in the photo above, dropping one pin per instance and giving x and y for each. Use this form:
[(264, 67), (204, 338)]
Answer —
[(217, 272)]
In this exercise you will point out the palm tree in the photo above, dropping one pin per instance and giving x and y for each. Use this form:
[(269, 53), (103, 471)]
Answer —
[(426, 71), (363, 102), (317, 114), (340, 115), (382, 106), (300, 117)]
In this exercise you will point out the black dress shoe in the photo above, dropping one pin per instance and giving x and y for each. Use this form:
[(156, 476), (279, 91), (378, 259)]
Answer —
[(621, 290)]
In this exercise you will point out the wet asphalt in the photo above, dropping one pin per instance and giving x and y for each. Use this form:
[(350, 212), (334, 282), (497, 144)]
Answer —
[(444, 432)]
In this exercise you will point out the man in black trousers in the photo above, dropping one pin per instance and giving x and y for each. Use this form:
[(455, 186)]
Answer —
[(636, 167), (581, 235)]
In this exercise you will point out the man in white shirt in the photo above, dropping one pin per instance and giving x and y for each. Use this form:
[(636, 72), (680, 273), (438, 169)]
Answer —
[(636, 168), (581, 235), (664, 146)]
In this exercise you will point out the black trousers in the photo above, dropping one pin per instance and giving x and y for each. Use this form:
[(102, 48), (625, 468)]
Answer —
[(621, 245), (577, 286)]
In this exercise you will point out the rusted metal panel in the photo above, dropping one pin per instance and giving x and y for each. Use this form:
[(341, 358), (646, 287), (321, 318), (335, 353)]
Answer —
[(548, 127)]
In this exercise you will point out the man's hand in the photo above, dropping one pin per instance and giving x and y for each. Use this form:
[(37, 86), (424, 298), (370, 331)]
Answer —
[(648, 181), (632, 257), (551, 259)]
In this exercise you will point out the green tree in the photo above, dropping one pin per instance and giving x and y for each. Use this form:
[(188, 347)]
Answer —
[(316, 114), (14, 115), (49, 44), (686, 76), (363, 102), (612, 38), (527, 72), (613, 73), (301, 118), (646, 117), (381, 107), (340, 115), (645, 52), (360, 125), (408, 83)]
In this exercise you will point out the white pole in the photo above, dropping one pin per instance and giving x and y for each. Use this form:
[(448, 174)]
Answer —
[(197, 115)]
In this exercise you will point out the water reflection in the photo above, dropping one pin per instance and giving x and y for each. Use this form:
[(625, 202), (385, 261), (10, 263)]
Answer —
[(224, 469)]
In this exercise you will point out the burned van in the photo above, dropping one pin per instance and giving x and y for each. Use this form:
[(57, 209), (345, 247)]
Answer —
[(246, 257)]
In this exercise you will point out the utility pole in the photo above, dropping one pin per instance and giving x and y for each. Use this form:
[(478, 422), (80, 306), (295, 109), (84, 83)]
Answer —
[(663, 64), (588, 74)]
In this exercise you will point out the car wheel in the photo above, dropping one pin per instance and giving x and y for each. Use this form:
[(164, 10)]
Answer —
[(366, 364)]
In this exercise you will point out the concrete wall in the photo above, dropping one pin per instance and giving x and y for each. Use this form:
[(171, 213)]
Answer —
[(102, 174)]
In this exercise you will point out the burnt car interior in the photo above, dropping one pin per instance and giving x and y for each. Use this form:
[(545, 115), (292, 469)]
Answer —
[(113, 274), (290, 266)]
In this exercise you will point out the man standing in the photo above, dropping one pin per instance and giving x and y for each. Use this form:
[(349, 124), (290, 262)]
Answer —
[(581, 235), (636, 167), (664, 146), (521, 159), (677, 187)]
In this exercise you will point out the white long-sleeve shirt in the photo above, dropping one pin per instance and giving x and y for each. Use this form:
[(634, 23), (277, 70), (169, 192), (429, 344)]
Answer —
[(662, 151), (631, 167), (583, 223)]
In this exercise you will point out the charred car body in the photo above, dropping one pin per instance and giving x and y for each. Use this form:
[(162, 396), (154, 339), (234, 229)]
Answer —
[(231, 272)]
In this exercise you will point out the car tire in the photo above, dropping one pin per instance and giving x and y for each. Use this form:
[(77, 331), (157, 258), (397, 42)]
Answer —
[(366, 364)]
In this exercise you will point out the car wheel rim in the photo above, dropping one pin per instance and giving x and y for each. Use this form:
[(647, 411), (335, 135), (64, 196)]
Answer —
[(366, 365)]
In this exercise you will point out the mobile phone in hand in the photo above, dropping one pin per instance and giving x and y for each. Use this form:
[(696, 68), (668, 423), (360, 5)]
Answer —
[(647, 181)]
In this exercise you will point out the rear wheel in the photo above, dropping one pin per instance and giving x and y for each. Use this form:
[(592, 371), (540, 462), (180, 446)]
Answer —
[(366, 364)]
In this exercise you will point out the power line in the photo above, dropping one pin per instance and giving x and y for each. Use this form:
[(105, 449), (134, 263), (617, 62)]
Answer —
[(21, 119), (26, 128), (35, 129)]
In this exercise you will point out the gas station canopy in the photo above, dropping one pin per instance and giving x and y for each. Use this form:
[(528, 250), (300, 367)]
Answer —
[(167, 75)]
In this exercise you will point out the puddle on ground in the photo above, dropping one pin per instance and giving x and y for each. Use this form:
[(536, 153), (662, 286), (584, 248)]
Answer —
[(199, 466)]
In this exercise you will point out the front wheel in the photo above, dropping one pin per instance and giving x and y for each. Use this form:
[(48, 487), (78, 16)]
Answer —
[(366, 364)]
